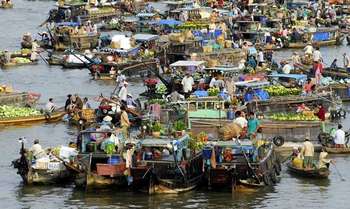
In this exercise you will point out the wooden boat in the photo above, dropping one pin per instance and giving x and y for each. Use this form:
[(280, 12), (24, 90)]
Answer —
[(308, 173), (333, 150), (133, 68), (6, 6), (47, 173), (236, 166), (334, 37), (55, 116), (166, 174), (95, 168), (13, 64)]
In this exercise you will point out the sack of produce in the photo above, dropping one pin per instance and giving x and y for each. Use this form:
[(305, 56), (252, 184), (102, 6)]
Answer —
[(115, 44), (207, 49), (230, 131)]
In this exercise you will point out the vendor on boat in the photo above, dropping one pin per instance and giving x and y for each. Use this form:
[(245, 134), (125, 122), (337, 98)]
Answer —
[(35, 50), (187, 83), (308, 50), (321, 114), (50, 107), (323, 162), (37, 150), (339, 139), (130, 102), (253, 124), (124, 122), (308, 153), (307, 90), (68, 102), (346, 61), (123, 93), (86, 104)]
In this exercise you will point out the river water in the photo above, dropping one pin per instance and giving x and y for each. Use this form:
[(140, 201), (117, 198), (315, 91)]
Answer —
[(54, 82)]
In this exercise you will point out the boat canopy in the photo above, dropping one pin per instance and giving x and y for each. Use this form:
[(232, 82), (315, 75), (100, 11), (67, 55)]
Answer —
[(185, 63), (68, 24), (145, 37), (252, 84), (302, 77)]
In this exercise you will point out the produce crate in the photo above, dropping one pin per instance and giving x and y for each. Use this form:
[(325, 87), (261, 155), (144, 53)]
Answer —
[(110, 170)]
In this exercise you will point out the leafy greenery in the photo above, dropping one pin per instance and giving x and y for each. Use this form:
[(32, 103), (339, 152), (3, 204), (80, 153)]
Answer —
[(156, 127), (179, 125)]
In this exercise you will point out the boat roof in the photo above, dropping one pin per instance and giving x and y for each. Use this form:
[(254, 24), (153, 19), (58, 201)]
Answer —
[(224, 69), (185, 63), (145, 14), (252, 84), (233, 143), (167, 22), (145, 37), (177, 2), (295, 76)]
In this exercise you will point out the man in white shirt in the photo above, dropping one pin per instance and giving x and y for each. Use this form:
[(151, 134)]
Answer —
[(308, 50), (240, 119), (187, 83), (123, 93), (287, 68), (339, 139), (49, 108), (37, 150), (317, 55)]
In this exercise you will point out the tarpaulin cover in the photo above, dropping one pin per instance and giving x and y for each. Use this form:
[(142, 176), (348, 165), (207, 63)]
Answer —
[(321, 36)]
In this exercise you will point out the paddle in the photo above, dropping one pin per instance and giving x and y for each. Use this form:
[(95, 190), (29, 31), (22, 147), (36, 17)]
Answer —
[(338, 172)]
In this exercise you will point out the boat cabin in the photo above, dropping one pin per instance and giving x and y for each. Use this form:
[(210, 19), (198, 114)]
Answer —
[(166, 166)]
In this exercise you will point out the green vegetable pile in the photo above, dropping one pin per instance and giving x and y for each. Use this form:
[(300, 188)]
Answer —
[(213, 91), (21, 60), (282, 91), (161, 88), (293, 117), (14, 112)]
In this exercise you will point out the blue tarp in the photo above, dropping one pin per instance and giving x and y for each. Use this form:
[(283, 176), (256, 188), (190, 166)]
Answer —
[(298, 77), (171, 22), (321, 36)]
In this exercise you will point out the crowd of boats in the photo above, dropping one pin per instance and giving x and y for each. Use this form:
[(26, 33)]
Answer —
[(217, 110)]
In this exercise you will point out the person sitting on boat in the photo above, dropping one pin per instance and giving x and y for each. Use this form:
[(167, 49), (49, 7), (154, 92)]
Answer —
[(334, 64), (339, 139), (308, 50), (86, 104), (130, 102), (308, 153), (297, 157), (295, 36), (307, 89), (323, 162), (7, 56), (296, 60), (287, 67), (37, 150)]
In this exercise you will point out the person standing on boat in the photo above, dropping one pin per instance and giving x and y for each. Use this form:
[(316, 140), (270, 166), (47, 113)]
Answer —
[(68, 102), (346, 61), (339, 139), (120, 80), (317, 55), (318, 67), (49, 108), (124, 122), (321, 114), (308, 153), (308, 50), (35, 50), (253, 124), (123, 93), (187, 83), (86, 104)]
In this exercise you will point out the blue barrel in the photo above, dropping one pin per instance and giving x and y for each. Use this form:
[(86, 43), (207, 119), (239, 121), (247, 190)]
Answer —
[(114, 160), (207, 153)]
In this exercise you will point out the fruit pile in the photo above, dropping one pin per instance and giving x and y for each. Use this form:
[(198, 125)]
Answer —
[(161, 88), (14, 112), (282, 91), (293, 117)]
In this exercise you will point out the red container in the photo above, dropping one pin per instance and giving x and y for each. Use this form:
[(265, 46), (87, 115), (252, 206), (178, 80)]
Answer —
[(110, 170)]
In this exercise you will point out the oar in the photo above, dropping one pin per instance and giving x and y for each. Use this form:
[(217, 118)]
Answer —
[(338, 172)]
